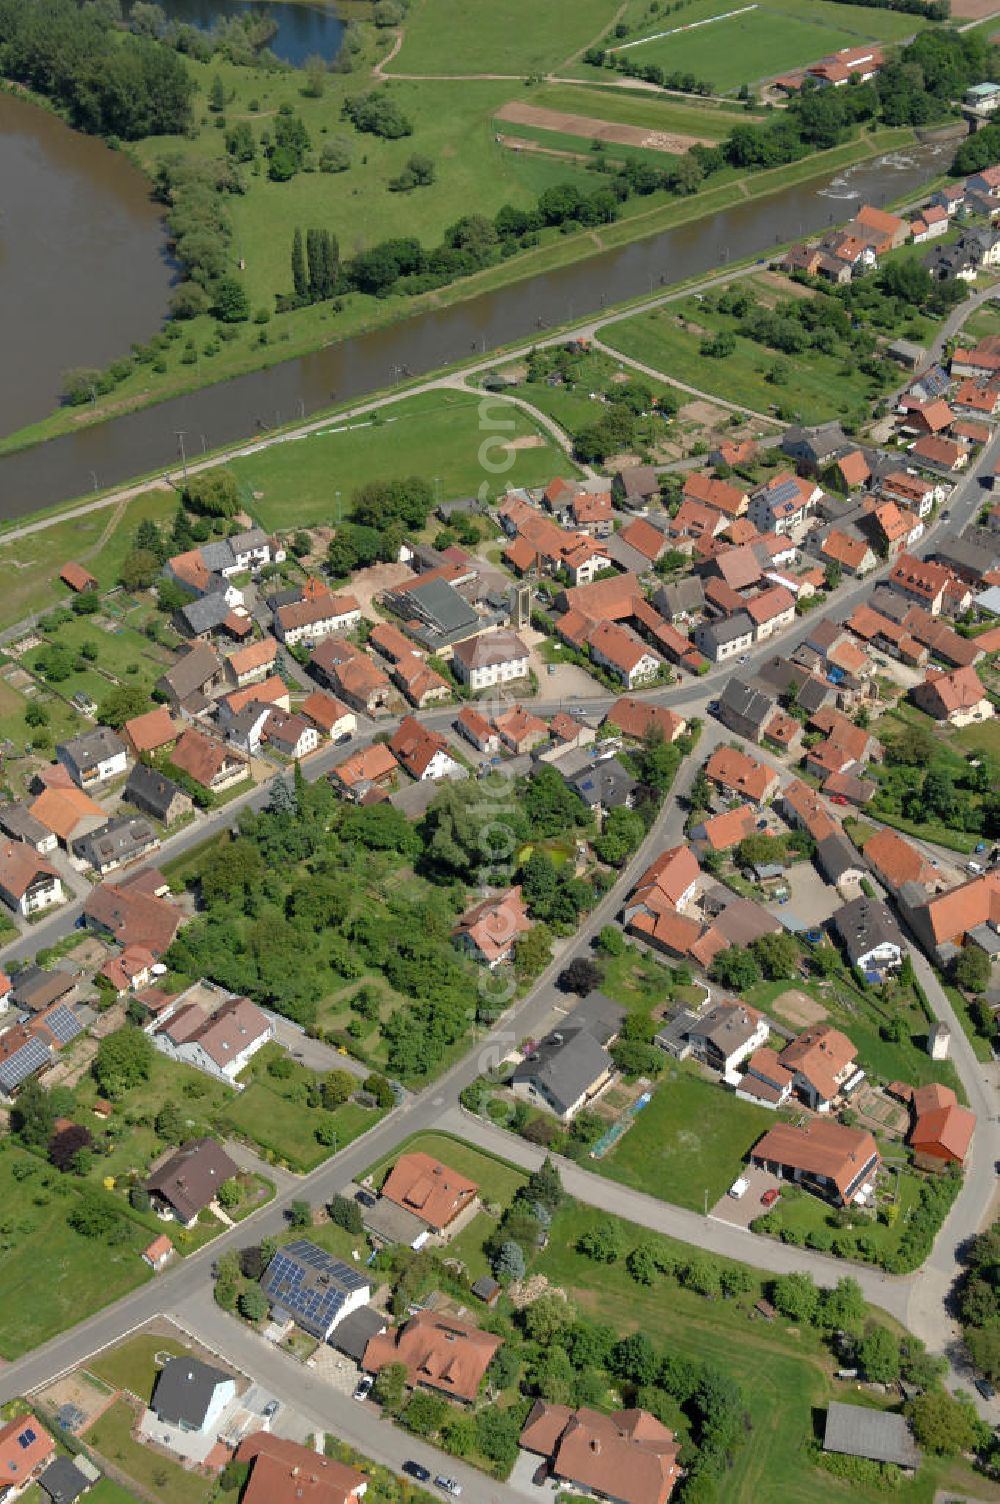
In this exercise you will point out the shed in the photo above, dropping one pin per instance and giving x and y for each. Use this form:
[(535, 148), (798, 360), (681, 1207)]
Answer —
[(877, 1434)]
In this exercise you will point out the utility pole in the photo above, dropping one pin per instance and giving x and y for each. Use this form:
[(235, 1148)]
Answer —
[(180, 441)]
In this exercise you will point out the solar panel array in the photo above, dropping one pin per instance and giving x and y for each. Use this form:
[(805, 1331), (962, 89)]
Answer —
[(786, 490), (310, 1285), (64, 1024), (31, 1057)]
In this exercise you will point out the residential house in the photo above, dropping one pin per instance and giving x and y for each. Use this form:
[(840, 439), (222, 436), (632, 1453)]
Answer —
[(17, 821), (188, 1180), (351, 675), (489, 931), (25, 1450), (718, 495), (765, 1080), (478, 730), (853, 555), (321, 614), (192, 1395), (272, 691), (197, 675), (636, 486), (155, 731), (929, 223), (897, 530), (726, 638), (724, 1035), (870, 935), (668, 883), (822, 1062), (370, 768), (638, 719), (822, 1156), (117, 843), (422, 752), (770, 611), (329, 715), (134, 913), (917, 494), (519, 731), (207, 614), (957, 697), (944, 921), (838, 861), (430, 1190), (220, 1041), (284, 1472), (489, 659), (692, 523), (244, 729), (439, 1353), (940, 454), (293, 736), (604, 785), (723, 831), (921, 581), (421, 684), (624, 654), (306, 1284), (782, 504), (156, 795), (252, 549), (681, 600), (737, 774), (850, 471), (252, 664), (28, 882), (648, 541), (745, 709), (628, 1457), (570, 1066), (94, 757), (209, 762)]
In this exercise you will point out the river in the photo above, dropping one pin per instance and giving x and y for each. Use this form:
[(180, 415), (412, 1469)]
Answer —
[(302, 30), (109, 453)]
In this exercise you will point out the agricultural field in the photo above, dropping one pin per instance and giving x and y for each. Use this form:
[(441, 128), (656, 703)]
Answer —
[(438, 435)]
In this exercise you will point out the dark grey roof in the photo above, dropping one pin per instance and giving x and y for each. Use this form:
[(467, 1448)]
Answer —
[(63, 1481), (975, 552), (836, 855), (605, 783), (864, 924), (353, 1334), (35, 989), (116, 842), (599, 1014), (205, 614), (728, 1026), (200, 664), (189, 1180), (310, 1285), (93, 747), (16, 820), (217, 556), (718, 633), (860, 1432), (254, 537), (746, 701), (184, 1391), (687, 594), (564, 1066), (485, 1287), (638, 480), (150, 790), (439, 604), (815, 444)]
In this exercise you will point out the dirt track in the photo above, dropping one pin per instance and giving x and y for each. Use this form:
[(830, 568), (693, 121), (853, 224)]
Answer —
[(596, 130)]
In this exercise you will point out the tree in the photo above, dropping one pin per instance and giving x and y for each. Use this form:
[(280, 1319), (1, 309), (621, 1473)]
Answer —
[(121, 704), (93, 1215), (140, 569), (299, 279), (550, 804), (972, 970), (300, 1214), (346, 1213), (315, 71), (603, 1242), (253, 1304), (843, 1306), (914, 746), (795, 1296), (338, 1087), (35, 715), (390, 1385), (378, 1087), (634, 1359), (533, 951), (217, 95), (230, 1193), (509, 1264), (735, 968), (622, 834), (231, 304), (777, 955), (169, 1123), (878, 1352), (942, 1424), (545, 1187), (123, 1060), (634, 1058), (67, 1144), (547, 1318), (32, 1116), (611, 941), (581, 976)]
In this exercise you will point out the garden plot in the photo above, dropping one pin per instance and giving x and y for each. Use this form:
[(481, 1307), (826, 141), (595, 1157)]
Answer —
[(517, 113)]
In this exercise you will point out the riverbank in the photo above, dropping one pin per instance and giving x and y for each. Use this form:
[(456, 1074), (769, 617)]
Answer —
[(308, 330)]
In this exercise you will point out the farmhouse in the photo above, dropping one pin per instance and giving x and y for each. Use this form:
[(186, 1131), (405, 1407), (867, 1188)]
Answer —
[(823, 1156)]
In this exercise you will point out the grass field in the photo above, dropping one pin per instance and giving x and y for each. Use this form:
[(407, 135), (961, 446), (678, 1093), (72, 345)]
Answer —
[(157, 1476), (497, 1180), (54, 1277), (438, 435), (742, 49), (453, 37), (669, 339), (105, 1492), (654, 111), (690, 1141), (131, 1366)]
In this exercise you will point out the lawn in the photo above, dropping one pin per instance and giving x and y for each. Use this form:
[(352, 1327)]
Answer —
[(157, 1476), (984, 737), (104, 1492), (689, 1143), (440, 435), (131, 1366), (741, 49), (625, 107), (54, 1277), (450, 36), (670, 339), (496, 1179), (282, 1124)]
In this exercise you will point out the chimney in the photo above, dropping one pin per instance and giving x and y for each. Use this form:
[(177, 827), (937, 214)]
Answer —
[(595, 1445)]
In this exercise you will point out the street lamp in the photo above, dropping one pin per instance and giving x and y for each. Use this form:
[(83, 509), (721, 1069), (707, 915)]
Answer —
[(180, 442)]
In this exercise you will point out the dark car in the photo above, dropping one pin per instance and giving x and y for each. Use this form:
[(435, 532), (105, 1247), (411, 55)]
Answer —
[(986, 1389), (417, 1470)]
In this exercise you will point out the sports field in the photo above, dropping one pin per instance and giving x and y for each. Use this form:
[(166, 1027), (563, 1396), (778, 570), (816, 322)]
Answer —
[(742, 49), (518, 37)]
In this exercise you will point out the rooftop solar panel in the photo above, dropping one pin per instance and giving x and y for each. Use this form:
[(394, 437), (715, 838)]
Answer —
[(64, 1024), (310, 1285), (31, 1057), (786, 491)]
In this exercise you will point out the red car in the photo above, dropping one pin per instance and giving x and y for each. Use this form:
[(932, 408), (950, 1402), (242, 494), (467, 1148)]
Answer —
[(770, 1197), (838, 799)]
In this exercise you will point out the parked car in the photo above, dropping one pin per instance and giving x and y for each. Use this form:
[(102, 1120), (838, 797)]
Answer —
[(739, 1188), (770, 1197), (417, 1470), (364, 1387), (838, 798), (450, 1485), (343, 739), (985, 1388), (743, 658), (271, 1409)]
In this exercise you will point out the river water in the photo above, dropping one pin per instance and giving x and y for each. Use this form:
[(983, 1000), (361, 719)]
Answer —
[(138, 442)]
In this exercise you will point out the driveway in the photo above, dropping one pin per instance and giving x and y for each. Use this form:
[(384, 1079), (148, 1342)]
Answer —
[(748, 1208), (812, 900)]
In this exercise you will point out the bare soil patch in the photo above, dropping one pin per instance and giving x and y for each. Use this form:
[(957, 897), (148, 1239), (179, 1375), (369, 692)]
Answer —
[(519, 113), (526, 441), (799, 1008), (974, 10)]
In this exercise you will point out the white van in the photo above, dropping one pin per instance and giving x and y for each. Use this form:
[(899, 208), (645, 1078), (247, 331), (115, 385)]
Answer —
[(739, 1188)]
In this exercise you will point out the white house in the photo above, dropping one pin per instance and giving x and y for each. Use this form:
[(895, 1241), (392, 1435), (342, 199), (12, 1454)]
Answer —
[(321, 614), (623, 653), (94, 757), (191, 1396), (491, 658), (253, 549), (28, 883), (220, 1042)]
